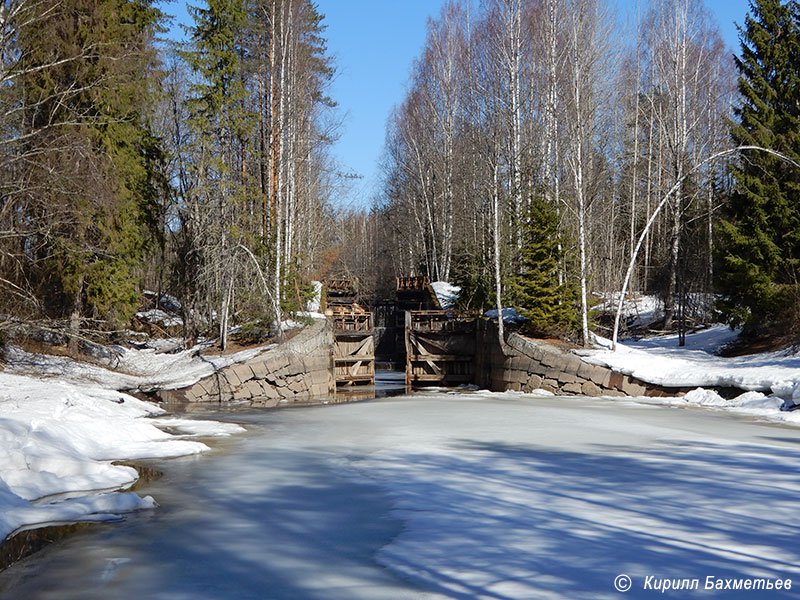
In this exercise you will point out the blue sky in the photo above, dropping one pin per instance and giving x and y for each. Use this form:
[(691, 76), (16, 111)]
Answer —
[(374, 43)]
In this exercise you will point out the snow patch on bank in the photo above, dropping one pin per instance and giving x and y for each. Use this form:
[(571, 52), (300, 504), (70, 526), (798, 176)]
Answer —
[(145, 369), (771, 380), (446, 293), (59, 438), (510, 316), (661, 361)]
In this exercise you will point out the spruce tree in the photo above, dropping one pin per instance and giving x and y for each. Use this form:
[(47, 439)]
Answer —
[(550, 307), (97, 163), (759, 239)]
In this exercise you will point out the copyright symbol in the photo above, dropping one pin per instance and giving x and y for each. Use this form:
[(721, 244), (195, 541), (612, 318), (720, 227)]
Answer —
[(622, 583)]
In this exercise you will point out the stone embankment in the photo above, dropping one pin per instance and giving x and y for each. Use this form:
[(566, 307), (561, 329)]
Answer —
[(303, 369), (300, 369), (524, 364)]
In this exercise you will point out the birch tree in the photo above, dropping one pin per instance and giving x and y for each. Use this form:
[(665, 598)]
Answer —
[(588, 92), (684, 50)]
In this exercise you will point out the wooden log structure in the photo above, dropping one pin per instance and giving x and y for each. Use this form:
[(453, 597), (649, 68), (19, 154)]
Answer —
[(339, 293), (440, 347), (353, 346), (415, 283)]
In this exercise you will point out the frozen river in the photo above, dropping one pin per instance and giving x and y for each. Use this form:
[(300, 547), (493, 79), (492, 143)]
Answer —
[(437, 495)]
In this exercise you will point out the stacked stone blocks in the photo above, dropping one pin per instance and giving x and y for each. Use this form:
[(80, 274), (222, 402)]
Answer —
[(300, 369), (524, 364)]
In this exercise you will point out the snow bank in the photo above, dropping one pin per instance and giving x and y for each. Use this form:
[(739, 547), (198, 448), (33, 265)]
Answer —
[(510, 316), (295, 324), (157, 316), (446, 293), (315, 303), (637, 310), (771, 379), (750, 404), (146, 369), (640, 310), (58, 438), (661, 361)]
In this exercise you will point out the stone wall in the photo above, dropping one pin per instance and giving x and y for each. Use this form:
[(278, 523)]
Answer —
[(524, 364), (300, 369)]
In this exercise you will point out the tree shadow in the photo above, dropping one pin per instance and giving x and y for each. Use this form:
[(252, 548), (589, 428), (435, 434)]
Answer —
[(521, 521), (471, 519)]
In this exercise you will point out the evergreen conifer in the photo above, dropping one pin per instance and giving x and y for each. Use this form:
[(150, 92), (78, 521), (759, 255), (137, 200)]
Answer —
[(97, 161), (759, 238), (550, 307)]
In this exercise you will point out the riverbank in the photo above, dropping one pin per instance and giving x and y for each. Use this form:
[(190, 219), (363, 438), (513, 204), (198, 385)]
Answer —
[(764, 386), (60, 444)]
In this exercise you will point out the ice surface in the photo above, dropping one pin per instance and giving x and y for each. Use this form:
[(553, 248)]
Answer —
[(468, 496)]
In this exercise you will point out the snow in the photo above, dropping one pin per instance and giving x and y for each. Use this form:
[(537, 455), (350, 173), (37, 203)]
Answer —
[(446, 293), (774, 375), (315, 303), (61, 438), (510, 315), (288, 324), (637, 309), (159, 317), (166, 301), (145, 369), (640, 310)]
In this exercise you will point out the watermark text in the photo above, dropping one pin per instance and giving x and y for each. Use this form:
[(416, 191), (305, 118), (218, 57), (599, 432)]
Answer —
[(623, 583)]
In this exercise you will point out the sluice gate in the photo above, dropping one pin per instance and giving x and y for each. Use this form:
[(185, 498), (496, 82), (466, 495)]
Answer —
[(353, 334), (440, 347), (353, 347)]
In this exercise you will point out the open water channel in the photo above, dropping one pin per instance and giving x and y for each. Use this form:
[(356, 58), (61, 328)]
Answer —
[(448, 495)]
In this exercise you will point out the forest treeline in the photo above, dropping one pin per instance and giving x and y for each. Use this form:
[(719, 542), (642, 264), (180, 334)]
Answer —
[(539, 138), (526, 163), (130, 163)]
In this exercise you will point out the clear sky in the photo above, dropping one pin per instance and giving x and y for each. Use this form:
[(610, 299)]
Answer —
[(374, 43)]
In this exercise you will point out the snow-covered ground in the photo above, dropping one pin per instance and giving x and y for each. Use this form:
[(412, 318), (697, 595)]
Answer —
[(58, 441), (145, 369), (510, 316), (462, 496), (446, 293), (637, 309), (641, 310), (772, 379)]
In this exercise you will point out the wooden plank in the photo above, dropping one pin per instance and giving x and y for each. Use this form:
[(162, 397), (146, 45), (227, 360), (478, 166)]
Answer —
[(407, 320), (354, 357), (450, 377), (442, 357)]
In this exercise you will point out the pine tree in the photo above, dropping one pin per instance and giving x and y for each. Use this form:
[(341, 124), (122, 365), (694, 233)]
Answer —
[(550, 307), (759, 239)]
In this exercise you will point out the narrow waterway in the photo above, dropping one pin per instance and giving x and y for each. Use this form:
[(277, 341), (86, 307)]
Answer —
[(448, 495)]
